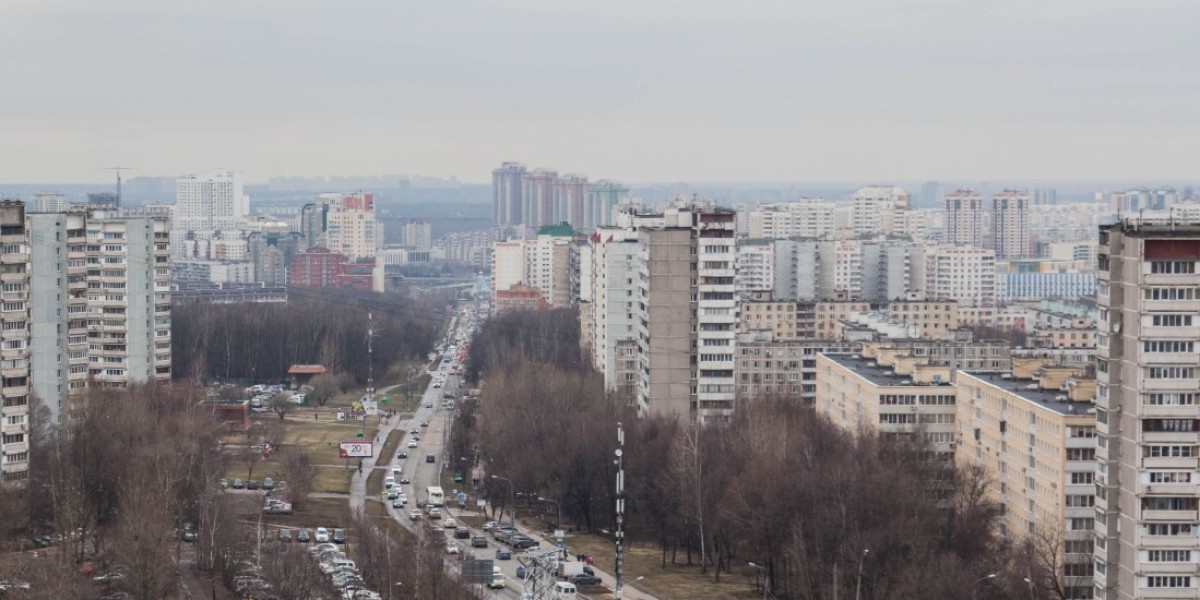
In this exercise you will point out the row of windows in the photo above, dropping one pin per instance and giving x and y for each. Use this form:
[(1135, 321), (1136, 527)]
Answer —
[(1168, 346), (1171, 399), (1171, 372), (1168, 581), (1171, 320), (1172, 267), (1160, 451), (1170, 293)]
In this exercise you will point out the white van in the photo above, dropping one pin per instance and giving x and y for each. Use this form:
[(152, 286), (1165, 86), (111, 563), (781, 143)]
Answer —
[(389, 483), (563, 591), (498, 582)]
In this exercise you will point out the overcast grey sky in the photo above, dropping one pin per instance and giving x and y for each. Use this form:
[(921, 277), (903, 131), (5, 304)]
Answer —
[(637, 90)]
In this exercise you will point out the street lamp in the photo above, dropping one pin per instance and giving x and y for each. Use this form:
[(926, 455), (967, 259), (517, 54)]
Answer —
[(558, 506), (1031, 588), (764, 572), (975, 587), (512, 514)]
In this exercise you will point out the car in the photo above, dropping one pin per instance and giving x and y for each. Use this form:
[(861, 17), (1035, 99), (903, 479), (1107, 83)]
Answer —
[(449, 523), (430, 458), (389, 483), (398, 503), (462, 533), (416, 438), (415, 431), (436, 384), (490, 525), (425, 424), (322, 535), (522, 572), (523, 542), (188, 533), (252, 484), (285, 535), (224, 483), (412, 443), (479, 542), (238, 484), (451, 548), (582, 579), (401, 454), (393, 494), (303, 536), (109, 577), (414, 514), (268, 484), (277, 507), (339, 536), (503, 554), (405, 480), (429, 404)]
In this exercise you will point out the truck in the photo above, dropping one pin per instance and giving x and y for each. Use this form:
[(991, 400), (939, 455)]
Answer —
[(434, 496), (567, 569)]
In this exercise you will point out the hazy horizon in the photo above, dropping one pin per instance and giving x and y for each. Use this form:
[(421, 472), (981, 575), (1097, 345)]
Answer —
[(666, 91)]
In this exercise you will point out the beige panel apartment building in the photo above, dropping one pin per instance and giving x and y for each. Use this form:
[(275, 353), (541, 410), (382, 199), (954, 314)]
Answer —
[(1039, 445)]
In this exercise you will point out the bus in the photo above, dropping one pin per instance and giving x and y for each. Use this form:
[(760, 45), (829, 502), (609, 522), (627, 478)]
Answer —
[(434, 496)]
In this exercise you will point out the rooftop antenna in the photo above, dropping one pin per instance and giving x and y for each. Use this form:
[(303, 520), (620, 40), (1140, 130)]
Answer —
[(118, 170)]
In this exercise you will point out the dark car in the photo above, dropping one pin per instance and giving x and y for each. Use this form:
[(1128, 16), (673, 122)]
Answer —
[(522, 542), (402, 454), (285, 535), (584, 579), (462, 533), (252, 484), (503, 554), (429, 458), (405, 480), (303, 537), (521, 572), (339, 536), (479, 542)]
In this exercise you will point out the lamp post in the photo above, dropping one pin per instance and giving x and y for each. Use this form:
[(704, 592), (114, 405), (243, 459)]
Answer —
[(558, 525), (512, 501), (1031, 588), (975, 587), (764, 574)]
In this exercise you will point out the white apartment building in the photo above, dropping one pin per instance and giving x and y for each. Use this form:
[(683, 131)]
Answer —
[(48, 202), (345, 224), (58, 293), (418, 234), (807, 217), (755, 267), (880, 209), (543, 263), (614, 286), (213, 200), (508, 264), (961, 273), (841, 270), (964, 218), (1148, 411), (129, 299)]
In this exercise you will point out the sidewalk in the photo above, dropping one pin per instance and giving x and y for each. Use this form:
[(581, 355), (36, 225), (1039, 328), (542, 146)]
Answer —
[(358, 481), (548, 542)]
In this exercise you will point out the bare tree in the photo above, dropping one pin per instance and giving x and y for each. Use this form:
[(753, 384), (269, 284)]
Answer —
[(688, 468), (294, 574), (282, 405), (299, 473)]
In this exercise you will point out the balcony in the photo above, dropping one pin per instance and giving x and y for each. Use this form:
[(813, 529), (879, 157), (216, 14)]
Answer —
[(1169, 437), (1167, 489), (16, 390), (1165, 541), (1170, 515), (1168, 358), (1166, 411), (17, 277), (1170, 462)]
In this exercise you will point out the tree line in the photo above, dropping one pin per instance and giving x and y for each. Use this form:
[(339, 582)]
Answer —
[(260, 340), (824, 512)]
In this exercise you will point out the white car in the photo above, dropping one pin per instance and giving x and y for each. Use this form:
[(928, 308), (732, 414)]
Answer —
[(452, 549), (449, 523), (321, 536), (412, 443)]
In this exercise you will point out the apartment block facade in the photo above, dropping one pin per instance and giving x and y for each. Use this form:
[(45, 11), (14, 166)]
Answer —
[(1148, 419), (964, 218), (15, 337)]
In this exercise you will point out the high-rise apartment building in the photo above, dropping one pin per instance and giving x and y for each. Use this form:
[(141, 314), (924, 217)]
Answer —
[(15, 338), (1148, 420), (603, 198), (214, 200), (570, 200), (345, 224), (59, 307), (417, 234), (806, 218), (961, 273), (1010, 224), (687, 313), (48, 202), (964, 218), (508, 194), (542, 264), (613, 265), (880, 209), (537, 197)]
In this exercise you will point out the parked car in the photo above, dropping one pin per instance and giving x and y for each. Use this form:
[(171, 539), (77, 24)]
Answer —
[(268, 484), (522, 542), (425, 424), (414, 514), (503, 554), (522, 572), (285, 535), (414, 431), (188, 533), (224, 483), (303, 536), (490, 525), (238, 484), (479, 542), (584, 579), (322, 535), (451, 548), (339, 536), (252, 484)]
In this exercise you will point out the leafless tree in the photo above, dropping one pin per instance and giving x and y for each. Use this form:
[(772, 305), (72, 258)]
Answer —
[(282, 405), (300, 475), (294, 574)]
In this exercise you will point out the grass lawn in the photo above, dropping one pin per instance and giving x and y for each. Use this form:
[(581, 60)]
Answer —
[(675, 582), (320, 437), (333, 480), (313, 513), (390, 447)]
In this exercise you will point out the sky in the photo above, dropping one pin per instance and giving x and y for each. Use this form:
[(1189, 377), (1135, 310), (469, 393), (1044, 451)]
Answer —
[(633, 90)]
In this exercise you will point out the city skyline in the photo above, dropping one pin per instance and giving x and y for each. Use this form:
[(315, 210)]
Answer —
[(640, 93)]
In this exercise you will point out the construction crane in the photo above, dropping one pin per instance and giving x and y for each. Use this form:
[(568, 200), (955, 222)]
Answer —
[(118, 170)]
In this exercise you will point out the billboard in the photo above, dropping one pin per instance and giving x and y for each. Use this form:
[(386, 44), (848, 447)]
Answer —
[(356, 449)]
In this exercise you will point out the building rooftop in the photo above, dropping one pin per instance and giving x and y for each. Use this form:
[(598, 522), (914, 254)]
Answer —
[(1028, 390), (870, 370)]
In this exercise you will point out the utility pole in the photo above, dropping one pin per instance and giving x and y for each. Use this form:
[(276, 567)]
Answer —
[(619, 534), (370, 357)]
